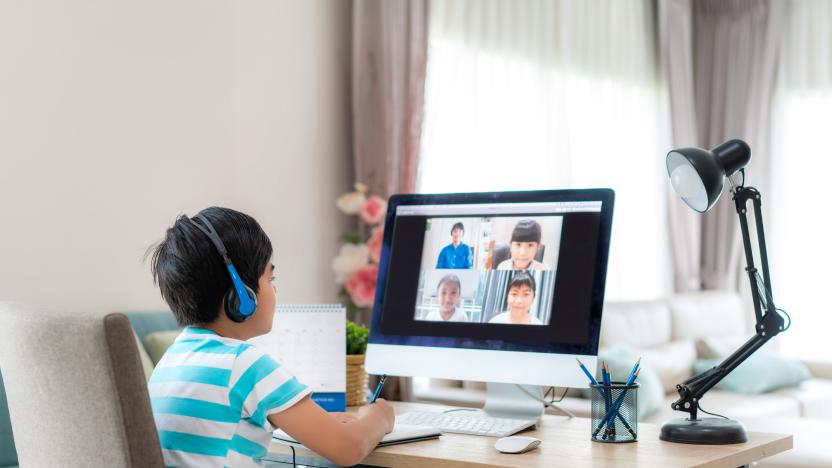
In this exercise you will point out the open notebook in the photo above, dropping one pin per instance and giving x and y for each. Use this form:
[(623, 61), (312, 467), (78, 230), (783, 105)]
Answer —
[(402, 434)]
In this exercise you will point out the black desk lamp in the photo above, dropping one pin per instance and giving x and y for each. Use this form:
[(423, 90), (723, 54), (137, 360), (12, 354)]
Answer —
[(698, 175)]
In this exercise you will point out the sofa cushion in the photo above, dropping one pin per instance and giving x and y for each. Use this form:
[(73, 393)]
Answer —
[(721, 346), (672, 362), (146, 322), (732, 405), (707, 313), (760, 373), (159, 342), (635, 324), (814, 397)]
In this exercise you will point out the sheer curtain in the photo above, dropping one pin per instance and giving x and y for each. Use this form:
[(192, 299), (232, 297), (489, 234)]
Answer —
[(800, 253), (525, 95)]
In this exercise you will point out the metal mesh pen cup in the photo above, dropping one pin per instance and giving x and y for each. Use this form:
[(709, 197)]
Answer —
[(611, 425)]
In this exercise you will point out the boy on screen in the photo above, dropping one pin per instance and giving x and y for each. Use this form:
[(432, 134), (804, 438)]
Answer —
[(448, 292), (521, 291), (525, 241), (457, 255)]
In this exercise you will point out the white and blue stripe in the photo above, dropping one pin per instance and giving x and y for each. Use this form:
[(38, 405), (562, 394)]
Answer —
[(211, 398)]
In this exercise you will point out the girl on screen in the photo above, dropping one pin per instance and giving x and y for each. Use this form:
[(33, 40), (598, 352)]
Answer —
[(525, 242), (448, 292), (521, 291)]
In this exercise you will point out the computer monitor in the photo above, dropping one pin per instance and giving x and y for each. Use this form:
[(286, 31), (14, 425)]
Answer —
[(496, 287)]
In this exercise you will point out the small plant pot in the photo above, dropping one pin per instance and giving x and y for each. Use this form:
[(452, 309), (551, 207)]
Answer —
[(356, 380)]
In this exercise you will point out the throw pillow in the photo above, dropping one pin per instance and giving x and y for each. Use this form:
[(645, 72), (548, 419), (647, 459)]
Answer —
[(620, 360), (159, 342), (671, 361), (719, 347), (760, 373)]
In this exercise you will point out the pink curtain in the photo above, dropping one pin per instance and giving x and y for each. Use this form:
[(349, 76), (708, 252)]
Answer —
[(389, 58)]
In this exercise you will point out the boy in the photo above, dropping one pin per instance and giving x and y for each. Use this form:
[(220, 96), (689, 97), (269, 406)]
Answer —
[(457, 255), (521, 291), (525, 241), (216, 399)]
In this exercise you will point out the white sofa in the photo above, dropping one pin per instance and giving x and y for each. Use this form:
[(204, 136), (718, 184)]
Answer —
[(669, 335)]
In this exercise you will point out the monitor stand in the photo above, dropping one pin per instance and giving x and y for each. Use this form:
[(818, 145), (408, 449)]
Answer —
[(508, 401)]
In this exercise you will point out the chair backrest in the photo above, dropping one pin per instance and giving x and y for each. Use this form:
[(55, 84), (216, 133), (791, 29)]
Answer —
[(502, 252), (76, 391)]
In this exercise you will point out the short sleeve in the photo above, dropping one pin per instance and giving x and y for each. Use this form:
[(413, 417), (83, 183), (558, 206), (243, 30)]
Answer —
[(260, 386)]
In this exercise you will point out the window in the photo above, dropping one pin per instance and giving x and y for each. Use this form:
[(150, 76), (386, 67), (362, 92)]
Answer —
[(801, 160), (530, 96)]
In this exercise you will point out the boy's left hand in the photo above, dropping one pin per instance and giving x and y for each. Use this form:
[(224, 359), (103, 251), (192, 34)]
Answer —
[(344, 417)]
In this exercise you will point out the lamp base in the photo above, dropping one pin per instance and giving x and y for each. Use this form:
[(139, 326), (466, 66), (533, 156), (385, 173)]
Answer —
[(706, 431)]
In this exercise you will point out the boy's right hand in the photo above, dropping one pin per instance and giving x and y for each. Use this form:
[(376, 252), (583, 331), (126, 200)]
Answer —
[(383, 410)]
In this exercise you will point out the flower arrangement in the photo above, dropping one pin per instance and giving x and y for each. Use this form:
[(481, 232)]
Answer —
[(356, 265)]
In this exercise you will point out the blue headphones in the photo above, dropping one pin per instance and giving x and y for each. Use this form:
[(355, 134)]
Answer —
[(240, 301)]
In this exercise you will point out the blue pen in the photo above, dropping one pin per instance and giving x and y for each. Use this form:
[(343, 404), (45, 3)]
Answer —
[(378, 389)]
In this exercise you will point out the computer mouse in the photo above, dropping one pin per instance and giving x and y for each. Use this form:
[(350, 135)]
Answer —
[(516, 444)]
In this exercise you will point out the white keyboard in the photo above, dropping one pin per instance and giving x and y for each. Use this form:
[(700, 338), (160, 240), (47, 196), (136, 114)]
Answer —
[(461, 423)]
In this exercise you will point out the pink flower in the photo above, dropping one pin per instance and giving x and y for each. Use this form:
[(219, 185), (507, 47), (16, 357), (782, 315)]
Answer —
[(361, 285), (374, 243), (373, 210)]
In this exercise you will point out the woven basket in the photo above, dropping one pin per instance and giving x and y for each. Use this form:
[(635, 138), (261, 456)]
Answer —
[(356, 380)]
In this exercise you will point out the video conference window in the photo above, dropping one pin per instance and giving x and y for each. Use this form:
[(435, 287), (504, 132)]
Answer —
[(494, 270)]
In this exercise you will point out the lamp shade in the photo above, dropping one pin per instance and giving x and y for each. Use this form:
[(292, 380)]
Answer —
[(698, 175)]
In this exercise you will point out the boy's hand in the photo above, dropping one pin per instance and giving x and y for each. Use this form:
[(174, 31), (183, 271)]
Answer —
[(344, 417), (382, 410)]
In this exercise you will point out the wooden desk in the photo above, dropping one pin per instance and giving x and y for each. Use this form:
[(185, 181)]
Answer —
[(565, 443)]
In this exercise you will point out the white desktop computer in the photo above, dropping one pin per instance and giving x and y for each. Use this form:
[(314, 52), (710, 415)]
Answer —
[(505, 288)]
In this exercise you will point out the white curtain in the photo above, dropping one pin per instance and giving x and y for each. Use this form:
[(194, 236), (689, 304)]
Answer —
[(798, 226), (524, 94)]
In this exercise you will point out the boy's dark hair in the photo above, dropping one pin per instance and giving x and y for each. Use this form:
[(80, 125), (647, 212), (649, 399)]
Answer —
[(456, 226), (449, 279), (522, 278), (526, 230), (192, 275)]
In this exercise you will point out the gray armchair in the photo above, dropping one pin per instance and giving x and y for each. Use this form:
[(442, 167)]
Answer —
[(76, 390)]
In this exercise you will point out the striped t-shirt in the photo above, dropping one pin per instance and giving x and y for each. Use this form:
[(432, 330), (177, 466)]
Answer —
[(211, 396)]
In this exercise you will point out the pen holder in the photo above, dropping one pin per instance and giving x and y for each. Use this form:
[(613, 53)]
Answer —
[(614, 413)]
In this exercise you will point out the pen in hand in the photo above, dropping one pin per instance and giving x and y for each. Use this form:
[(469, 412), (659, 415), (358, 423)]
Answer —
[(378, 388)]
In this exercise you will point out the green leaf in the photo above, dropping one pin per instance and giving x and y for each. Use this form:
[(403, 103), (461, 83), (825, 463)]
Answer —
[(352, 238), (357, 336)]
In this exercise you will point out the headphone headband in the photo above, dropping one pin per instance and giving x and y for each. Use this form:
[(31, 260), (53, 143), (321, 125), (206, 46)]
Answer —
[(246, 298), (212, 234)]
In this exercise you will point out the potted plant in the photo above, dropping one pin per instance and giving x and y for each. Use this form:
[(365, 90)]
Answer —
[(356, 375)]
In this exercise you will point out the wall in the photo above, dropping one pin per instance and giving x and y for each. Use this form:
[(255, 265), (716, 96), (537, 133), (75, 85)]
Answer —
[(115, 117)]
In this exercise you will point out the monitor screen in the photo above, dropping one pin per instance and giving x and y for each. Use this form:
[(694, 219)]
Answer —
[(513, 271)]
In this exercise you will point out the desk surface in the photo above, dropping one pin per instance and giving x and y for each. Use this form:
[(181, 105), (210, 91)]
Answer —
[(566, 443)]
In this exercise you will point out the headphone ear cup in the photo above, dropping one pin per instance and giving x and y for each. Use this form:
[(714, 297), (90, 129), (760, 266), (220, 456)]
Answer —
[(232, 304)]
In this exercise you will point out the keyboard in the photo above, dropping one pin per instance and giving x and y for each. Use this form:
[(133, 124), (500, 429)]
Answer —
[(460, 423)]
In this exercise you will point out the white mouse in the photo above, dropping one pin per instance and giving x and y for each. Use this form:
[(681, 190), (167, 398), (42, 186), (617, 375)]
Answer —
[(516, 444)]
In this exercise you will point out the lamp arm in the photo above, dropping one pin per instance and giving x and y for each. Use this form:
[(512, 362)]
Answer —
[(768, 321)]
